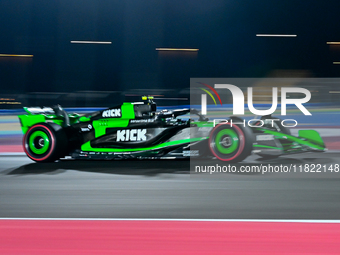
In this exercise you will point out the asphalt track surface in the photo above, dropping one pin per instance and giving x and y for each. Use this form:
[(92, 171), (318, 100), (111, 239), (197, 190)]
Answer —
[(166, 189)]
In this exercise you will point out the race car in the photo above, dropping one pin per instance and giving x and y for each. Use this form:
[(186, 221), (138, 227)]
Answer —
[(137, 130)]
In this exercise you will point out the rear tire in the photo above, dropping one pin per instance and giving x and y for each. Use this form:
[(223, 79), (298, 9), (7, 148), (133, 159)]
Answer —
[(45, 142), (231, 143)]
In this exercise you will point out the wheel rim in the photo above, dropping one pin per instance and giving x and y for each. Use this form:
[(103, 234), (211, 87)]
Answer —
[(226, 141), (238, 139), (39, 142)]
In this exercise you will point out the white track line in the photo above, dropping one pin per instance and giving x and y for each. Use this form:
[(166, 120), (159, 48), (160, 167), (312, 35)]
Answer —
[(12, 154), (189, 220)]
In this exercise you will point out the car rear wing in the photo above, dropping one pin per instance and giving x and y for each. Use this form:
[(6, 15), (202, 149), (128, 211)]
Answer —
[(39, 110), (54, 114)]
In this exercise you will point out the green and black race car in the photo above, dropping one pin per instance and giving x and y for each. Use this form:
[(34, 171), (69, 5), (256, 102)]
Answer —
[(138, 130)]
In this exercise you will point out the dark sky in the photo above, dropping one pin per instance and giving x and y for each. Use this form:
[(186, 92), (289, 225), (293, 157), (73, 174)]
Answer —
[(223, 30)]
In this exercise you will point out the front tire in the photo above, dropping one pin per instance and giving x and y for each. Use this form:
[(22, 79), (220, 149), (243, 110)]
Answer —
[(231, 143), (45, 142)]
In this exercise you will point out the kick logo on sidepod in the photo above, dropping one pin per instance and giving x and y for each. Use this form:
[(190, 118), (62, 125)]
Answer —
[(131, 135)]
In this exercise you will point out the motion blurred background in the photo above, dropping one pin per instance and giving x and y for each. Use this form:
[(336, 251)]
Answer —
[(224, 32), (100, 53), (86, 55)]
